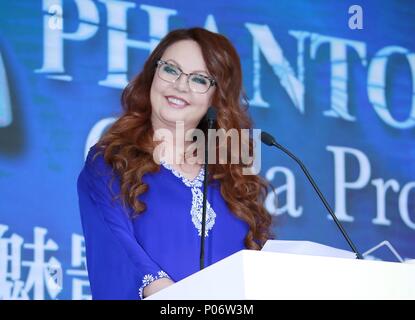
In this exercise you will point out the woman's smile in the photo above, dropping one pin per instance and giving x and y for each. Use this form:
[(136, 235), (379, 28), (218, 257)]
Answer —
[(176, 102)]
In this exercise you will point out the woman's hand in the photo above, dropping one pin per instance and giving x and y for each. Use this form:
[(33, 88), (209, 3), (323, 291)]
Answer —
[(157, 285)]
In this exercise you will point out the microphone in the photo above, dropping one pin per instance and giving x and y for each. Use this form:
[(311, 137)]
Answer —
[(211, 119), (269, 140)]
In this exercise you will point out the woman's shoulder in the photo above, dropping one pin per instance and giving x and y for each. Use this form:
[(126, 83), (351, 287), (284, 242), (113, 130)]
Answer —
[(95, 162)]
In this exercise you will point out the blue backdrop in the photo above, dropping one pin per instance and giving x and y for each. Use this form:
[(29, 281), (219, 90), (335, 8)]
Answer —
[(334, 83)]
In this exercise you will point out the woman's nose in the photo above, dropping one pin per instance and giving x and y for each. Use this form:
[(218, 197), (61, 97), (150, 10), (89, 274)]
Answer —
[(181, 83)]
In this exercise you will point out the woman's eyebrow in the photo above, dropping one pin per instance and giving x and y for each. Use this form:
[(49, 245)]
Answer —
[(181, 69), (174, 62)]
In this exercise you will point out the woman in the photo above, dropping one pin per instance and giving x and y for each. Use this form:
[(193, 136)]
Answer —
[(142, 220)]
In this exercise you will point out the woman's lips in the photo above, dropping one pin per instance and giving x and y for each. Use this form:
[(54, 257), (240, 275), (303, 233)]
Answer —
[(176, 102)]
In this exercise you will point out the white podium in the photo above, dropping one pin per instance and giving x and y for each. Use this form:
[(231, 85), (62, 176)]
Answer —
[(258, 275)]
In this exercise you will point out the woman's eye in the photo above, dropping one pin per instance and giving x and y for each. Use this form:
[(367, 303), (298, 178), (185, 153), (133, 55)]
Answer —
[(170, 70), (199, 79)]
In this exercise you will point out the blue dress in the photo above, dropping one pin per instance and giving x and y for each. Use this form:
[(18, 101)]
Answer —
[(124, 255)]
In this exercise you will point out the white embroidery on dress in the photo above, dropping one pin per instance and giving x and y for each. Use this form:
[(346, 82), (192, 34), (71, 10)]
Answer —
[(149, 278), (197, 200)]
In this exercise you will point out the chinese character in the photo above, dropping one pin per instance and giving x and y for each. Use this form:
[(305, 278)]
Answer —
[(78, 262), (40, 273)]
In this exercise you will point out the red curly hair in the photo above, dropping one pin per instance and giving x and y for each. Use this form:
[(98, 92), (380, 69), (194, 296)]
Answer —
[(128, 144)]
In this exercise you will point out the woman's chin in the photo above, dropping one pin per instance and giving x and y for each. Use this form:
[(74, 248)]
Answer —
[(172, 115)]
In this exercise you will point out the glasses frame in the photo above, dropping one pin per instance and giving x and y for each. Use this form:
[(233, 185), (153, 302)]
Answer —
[(160, 62)]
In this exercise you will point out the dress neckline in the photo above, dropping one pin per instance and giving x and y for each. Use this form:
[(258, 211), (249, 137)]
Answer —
[(196, 182)]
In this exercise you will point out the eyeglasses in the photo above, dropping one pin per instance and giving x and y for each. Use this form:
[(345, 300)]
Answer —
[(198, 83)]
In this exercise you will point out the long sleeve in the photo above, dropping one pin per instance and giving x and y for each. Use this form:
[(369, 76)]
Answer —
[(118, 266)]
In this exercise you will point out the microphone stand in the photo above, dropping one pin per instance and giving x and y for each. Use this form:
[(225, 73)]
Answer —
[(269, 140), (202, 245), (211, 117)]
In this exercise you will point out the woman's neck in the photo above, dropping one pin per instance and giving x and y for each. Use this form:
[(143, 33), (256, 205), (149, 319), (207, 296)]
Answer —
[(173, 148)]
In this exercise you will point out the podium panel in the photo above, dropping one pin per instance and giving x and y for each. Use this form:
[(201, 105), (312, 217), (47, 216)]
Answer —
[(258, 275)]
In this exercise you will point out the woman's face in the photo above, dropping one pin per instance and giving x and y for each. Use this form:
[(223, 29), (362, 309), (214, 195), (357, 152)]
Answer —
[(173, 102)]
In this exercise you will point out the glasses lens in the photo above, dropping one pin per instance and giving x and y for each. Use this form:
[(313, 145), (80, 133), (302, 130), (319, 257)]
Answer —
[(198, 83), (168, 72)]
